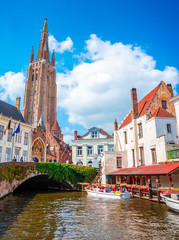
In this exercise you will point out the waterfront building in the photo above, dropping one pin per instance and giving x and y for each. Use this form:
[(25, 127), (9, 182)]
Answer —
[(19, 145), (149, 130), (87, 149), (40, 103), (143, 141)]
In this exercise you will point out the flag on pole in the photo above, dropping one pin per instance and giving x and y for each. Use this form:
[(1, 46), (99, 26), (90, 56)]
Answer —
[(8, 126), (17, 130)]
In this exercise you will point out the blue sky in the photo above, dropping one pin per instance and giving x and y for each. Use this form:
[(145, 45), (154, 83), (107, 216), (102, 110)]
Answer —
[(150, 25)]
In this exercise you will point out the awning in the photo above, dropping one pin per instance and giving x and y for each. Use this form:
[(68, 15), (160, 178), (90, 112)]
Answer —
[(162, 169)]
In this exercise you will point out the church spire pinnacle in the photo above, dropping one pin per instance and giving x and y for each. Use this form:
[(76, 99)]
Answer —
[(43, 43), (32, 55), (45, 25), (53, 58)]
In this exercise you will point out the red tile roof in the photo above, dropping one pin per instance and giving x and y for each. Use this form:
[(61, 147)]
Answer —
[(55, 126), (143, 105), (162, 169), (161, 112), (105, 133), (101, 131), (86, 134)]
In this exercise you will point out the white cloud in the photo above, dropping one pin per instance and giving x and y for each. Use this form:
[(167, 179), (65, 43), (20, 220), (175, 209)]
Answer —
[(67, 139), (12, 85), (60, 47), (97, 91)]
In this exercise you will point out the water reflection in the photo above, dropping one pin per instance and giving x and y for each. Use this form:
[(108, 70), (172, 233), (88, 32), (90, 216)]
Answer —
[(74, 215)]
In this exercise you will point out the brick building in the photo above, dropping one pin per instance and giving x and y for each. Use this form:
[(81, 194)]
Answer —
[(40, 103)]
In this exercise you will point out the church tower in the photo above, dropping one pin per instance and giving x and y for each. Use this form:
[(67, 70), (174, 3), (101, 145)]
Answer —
[(40, 99)]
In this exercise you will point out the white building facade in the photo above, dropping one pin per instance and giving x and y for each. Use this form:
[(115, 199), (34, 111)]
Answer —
[(87, 149), (18, 146), (149, 130)]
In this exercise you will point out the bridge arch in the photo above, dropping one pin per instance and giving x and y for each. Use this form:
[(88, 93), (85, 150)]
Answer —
[(42, 182)]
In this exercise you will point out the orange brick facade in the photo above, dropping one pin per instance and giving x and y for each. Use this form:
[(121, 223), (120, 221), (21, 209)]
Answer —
[(40, 102)]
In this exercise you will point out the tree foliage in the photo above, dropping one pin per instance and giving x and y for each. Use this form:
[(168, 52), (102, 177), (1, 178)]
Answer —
[(67, 172)]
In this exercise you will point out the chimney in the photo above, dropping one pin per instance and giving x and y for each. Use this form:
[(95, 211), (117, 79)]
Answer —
[(75, 135), (18, 101), (134, 103), (115, 125), (169, 86)]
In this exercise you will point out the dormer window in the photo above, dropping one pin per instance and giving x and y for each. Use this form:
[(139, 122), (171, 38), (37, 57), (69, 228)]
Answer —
[(94, 134), (164, 104)]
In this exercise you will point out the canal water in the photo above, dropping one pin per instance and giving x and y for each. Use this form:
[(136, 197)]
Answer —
[(75, 215)]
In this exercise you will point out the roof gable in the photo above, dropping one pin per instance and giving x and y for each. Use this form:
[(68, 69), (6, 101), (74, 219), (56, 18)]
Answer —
[(144, 105), (161, 112), (9, 110)]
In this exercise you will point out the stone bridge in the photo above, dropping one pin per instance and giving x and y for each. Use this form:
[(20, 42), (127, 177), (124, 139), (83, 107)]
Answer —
[(15, 176)]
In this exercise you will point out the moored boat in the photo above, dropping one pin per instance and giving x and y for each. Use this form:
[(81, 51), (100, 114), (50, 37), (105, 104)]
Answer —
[(173, 204), (125, 195)]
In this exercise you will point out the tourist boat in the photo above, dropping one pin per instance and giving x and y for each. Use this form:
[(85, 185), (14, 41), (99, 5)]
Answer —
[(171, 203), (109, 195)]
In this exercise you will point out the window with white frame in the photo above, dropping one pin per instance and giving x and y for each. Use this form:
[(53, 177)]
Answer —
[(1, 132), (142, 155), (17, 152), (100, 149), (19, 137), (94, 134), (169, 130), (140, 129), (0, 154), (26, 138), (8, 155), (125, 137), (133, 157), (79, 151), (119, 162), (110, 148), (89, 150), (9, 136), (154, 156), (25, 156)]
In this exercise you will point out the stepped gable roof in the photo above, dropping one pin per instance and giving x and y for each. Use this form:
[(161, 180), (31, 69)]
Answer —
[(9, 110), (55, 126), (143, 105), (161, 112), (159, 169)]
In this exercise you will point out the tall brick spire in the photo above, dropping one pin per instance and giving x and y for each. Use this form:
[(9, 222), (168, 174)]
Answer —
[(43, 43)]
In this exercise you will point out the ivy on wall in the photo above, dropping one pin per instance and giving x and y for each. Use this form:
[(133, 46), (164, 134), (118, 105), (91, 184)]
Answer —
[(56, 171), (67, 172), (11, 172)]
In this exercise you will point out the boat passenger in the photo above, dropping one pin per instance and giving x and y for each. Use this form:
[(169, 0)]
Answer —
[(125, 190)]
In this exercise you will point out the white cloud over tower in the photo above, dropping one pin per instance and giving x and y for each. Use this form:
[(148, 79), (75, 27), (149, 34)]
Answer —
[(97, 90), (60, 47), (12, 85)]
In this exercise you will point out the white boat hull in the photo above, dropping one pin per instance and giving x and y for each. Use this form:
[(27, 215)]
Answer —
[(109, 195), (171, 203)]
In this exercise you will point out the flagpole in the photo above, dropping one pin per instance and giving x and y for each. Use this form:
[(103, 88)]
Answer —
[(13, 142)]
